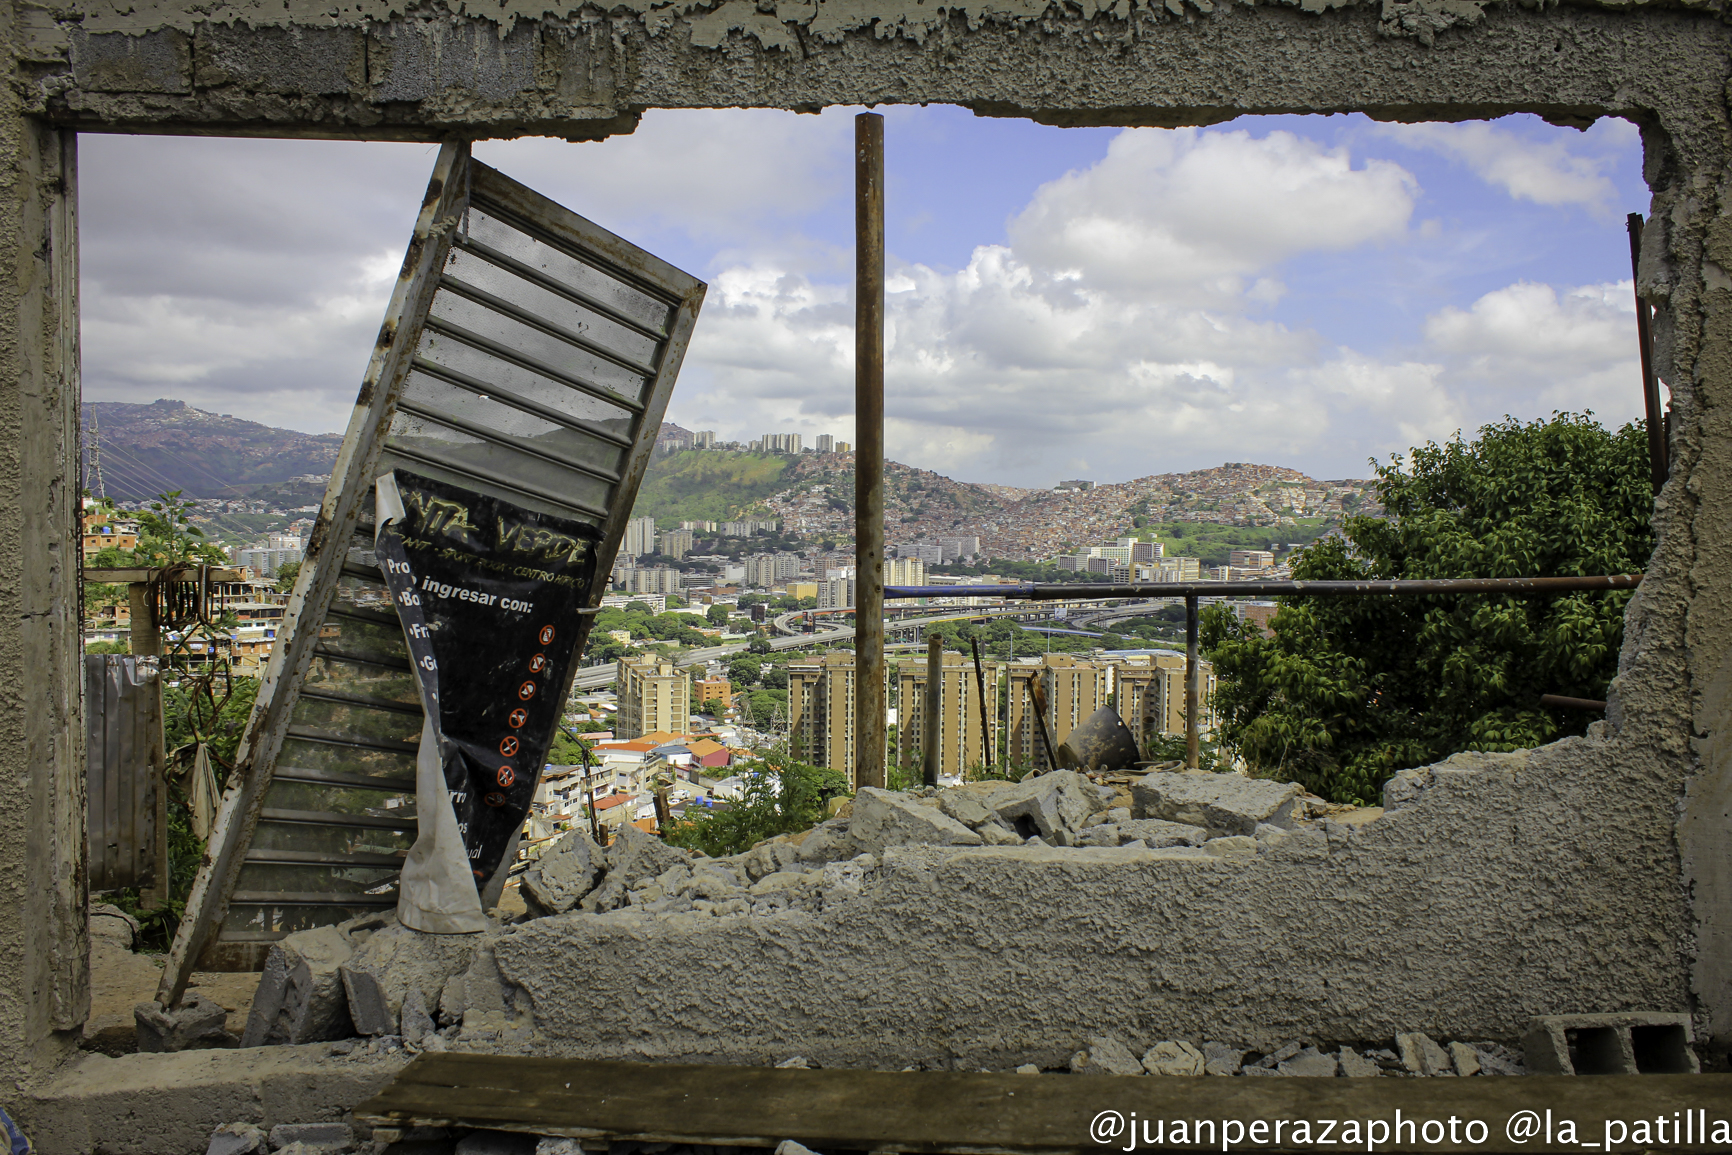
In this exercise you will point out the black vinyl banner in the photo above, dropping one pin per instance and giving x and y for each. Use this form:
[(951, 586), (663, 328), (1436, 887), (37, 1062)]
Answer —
[(489, 596)]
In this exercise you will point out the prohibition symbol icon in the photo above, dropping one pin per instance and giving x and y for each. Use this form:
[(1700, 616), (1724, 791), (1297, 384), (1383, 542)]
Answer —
[(517, 717), (494, 799), (526, 691), (538, 663), (546, 634), (506, 777), (508, 746)]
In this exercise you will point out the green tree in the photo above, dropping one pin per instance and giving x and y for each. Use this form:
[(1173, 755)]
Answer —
[(286, 574), (1351, 689), (782, 795), (166, 534), (717, 615), (745, 670)]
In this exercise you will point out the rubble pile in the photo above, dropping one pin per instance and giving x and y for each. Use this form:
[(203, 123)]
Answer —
[(1414, 1055)]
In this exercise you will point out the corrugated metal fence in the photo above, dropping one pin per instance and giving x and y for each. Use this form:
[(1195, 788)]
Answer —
[(123, 764)]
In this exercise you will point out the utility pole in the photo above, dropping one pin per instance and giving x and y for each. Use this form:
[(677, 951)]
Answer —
[(871, 719), (930, 749)]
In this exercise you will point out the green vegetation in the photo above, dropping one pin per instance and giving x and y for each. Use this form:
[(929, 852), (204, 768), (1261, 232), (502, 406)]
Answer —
[(1350, 690), (707, 485), (1210, 543), (782, 795)]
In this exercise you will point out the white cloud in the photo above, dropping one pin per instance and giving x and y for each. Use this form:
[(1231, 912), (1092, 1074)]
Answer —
[(1546, 171)]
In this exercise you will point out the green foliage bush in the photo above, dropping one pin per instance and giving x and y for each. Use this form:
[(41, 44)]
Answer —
[(1351, 689), (782, 795)]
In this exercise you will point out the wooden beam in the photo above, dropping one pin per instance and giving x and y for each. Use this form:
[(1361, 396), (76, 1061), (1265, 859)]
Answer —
[(969, 1114), (125, 575)]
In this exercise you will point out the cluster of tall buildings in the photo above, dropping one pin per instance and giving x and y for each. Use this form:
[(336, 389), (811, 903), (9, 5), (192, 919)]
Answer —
[(1146, 690), (674, 438), (267, 556), (642, 538)]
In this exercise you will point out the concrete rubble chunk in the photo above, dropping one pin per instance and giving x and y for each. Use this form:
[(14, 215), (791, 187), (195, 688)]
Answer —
[(885, 818), (1028, 1069), (1105, 1056), (767, 858), (1421, 1055), (196, 1023), (416, 1022), (1173, 1057), (108, 921), (558, 1145), (326, 1138), (1356, 1066), (1160, 834), (794, 1063), (563, 875), (379, 975), (236, 1139), (830, 841), (634, 856), (1231, 846), (1105, 834), (1310, 1063), (1222, 1059), (1281, 1054), (1465, 1058), (1224, 803), (789, 1147), (968, 807), (1055, 806), (300, 998)]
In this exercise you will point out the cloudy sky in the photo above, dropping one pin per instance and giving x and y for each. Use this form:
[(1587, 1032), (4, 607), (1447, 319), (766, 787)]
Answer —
[(1102, 303)]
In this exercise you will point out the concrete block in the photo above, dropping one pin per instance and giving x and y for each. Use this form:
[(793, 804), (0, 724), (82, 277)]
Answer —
[(1158, 833), (1106, 1056), (414, 60), (1421, 1055), (563, 875), (394, 960), (236, 1139), (1055, 806), (196, 1023), (884, 818), (323, 1137), (159, 62), (1630, 1043), (301, 997), (293, 61), (1173, 1057), (1226, 804)]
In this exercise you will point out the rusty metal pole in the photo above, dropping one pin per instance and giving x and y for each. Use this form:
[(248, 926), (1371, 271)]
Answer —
[(1191, 694), (980, 688), (932, 735), (1658, 465), (870, 717)]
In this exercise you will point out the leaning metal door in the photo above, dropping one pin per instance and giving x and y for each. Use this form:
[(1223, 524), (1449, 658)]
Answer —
[(526, 354)]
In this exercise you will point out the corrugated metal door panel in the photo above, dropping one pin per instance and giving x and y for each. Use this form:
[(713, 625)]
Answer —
[(123, 720)]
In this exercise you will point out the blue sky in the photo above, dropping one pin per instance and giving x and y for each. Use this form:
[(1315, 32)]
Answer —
[(1305, 291)]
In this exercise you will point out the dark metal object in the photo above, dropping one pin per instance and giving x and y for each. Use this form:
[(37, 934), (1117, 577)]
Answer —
[(930, 753), (1406, 586), (870, 718), (1037, 692), (1658, 450), (1102, 742), (1559, 702), (980, 687), (125, 815), (1193, 696)]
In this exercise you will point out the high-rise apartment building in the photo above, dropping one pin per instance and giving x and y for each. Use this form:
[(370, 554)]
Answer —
[(928, 552), (959, 547), (1149, 694), (654, 694), (761, 570), (836, 593), (787, 565), (844, 447), (781, 442), (825, 443), (822, 694), (640, 537), (904, 571), (1250, 558), (676, 543), (661, 580), (749, 527), (704, 439), (960, 745), (698, 527), (1074, 689)]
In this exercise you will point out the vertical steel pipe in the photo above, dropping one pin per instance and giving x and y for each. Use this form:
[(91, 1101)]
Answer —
[(980, 688), (870, 716), (932, 734), (1658, 465), (1191, 694)]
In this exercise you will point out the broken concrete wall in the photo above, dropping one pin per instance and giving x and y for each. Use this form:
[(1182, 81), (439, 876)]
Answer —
[(1654, 786), (1501, 887)]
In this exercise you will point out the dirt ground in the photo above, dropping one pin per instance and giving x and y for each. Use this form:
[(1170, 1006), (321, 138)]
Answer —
[(121, 979)]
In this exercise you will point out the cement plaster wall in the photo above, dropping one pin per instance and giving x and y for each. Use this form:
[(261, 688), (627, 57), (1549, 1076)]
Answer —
[(1650, 925)]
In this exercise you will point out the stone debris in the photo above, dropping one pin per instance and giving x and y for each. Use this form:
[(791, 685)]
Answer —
[(300, 997), (1605, 1044), (379, 975), (1173, 1057), (1221, 1059), (1225, 804), (884, 818), (1280, 1054), (1028, 1069), (563, 875), (794, 1063), (313, 1138), (1421, 1055), (236, 1139), (416, 1022), (1356, 1066), (197, 1022), (1310, 1063), (1105, 1056), (1464, 1058), (1159, 833), (789, 1147)]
